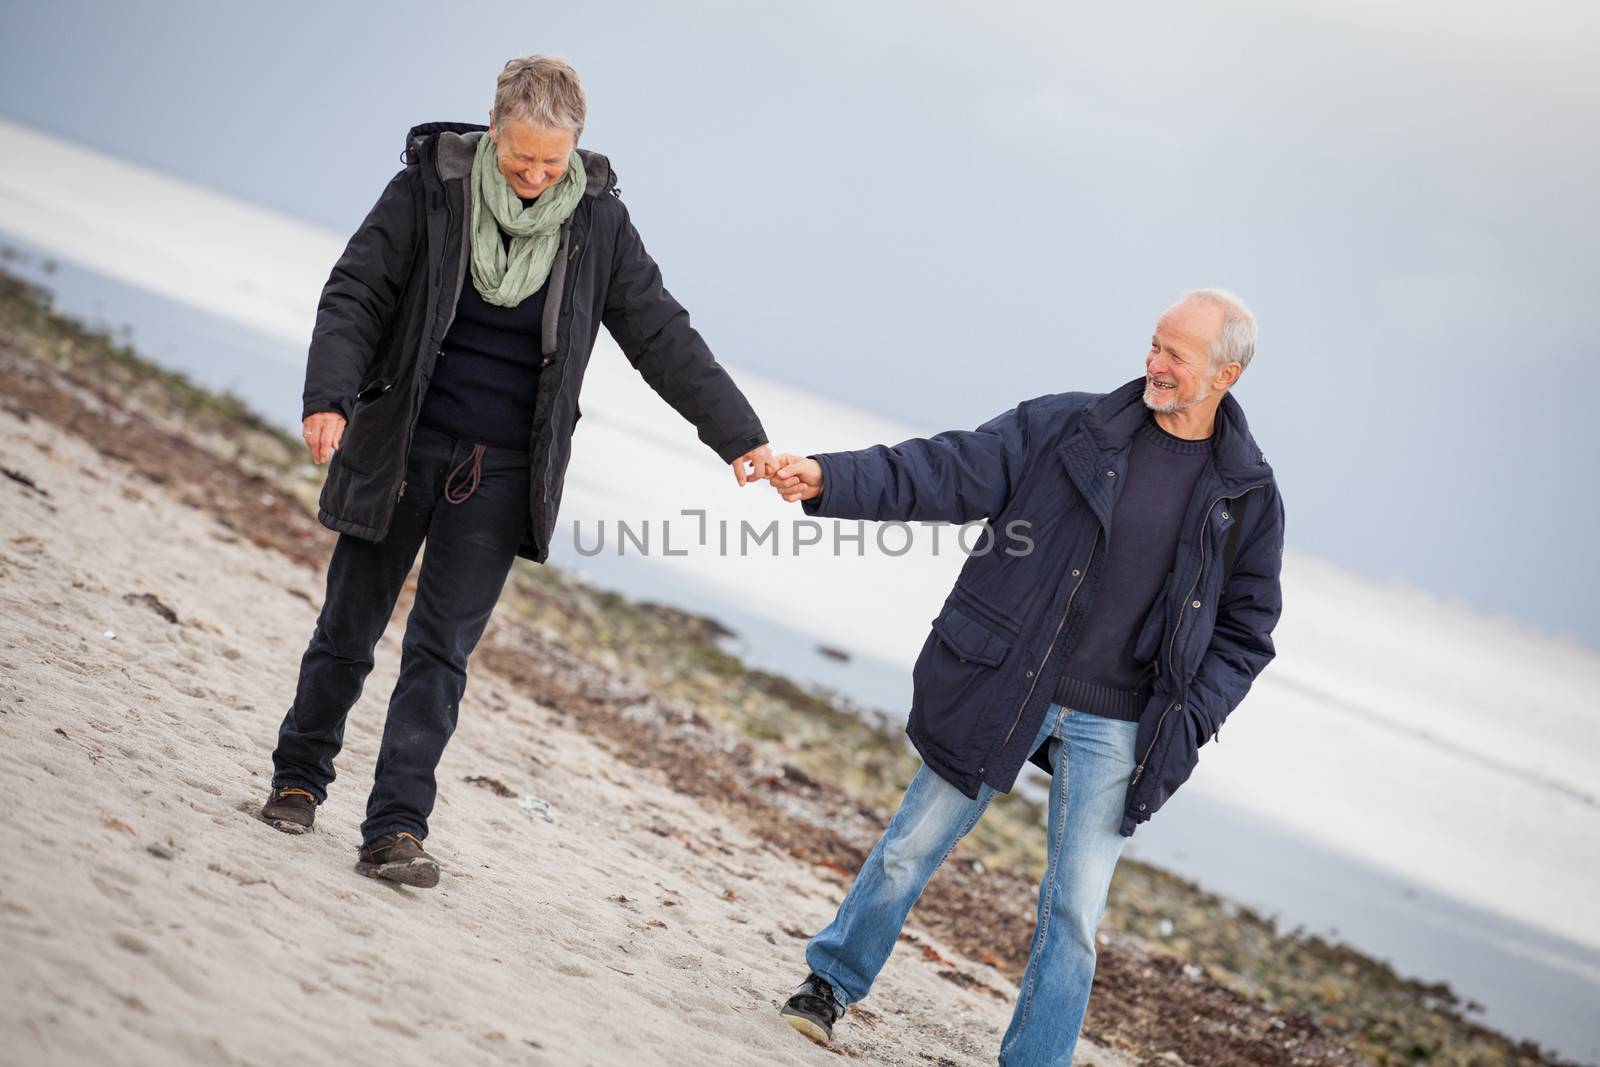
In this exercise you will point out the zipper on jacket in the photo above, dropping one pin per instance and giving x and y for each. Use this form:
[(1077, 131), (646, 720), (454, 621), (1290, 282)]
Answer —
[(416, 402), (1183, 606), (1053, 638), (561, 381)]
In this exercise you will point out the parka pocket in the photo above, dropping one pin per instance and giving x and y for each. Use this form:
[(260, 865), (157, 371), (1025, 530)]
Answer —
[(972, 641), (955, 681), (374, 389), (373, 431), (1147, 645)]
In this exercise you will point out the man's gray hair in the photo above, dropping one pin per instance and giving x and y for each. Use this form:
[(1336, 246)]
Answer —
[(1236, 342), (542, 91)]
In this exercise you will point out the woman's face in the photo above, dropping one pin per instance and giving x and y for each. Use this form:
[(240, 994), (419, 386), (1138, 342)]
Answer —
[(531, 158)]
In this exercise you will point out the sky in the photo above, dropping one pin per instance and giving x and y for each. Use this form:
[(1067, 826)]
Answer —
[(933, 211)]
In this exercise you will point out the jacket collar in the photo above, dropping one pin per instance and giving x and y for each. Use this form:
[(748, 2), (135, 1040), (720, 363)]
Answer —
[(1112, 420), (455, 143)]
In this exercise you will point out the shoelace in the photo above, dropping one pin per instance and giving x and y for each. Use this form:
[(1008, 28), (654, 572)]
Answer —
[(474, 476), (295, 792)]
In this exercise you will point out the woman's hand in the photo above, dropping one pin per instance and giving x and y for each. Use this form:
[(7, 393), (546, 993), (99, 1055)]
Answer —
[(754, 465), (321, 432), (797, 478)]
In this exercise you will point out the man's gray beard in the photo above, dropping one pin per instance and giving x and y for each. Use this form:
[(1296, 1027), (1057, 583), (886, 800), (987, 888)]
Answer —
[(1174, 406)]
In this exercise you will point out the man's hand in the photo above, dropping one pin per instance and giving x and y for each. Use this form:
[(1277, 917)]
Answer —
[(797, 478), (762, 462), (322, 432)]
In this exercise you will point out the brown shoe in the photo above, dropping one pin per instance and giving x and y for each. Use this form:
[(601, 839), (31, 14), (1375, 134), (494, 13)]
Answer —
[(398, 858), (291, 810)]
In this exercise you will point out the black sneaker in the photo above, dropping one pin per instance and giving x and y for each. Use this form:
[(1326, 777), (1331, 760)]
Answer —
[(398, 858), (813, 1009), (290, 809)]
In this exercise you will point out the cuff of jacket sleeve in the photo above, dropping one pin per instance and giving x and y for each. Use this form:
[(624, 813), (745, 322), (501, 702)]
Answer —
[(818, 505), (320, 406), (734, 449)]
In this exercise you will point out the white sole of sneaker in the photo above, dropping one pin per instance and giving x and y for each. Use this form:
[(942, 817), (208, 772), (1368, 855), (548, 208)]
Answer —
[(810, 1028)]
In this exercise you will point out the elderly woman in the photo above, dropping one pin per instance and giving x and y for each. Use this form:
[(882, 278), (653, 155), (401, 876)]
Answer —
[(443, 377)]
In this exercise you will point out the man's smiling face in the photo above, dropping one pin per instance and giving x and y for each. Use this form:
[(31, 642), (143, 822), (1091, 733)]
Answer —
[(1178, 371)]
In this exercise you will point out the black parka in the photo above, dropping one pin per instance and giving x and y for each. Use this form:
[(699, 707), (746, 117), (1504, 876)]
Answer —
[(392, 296)]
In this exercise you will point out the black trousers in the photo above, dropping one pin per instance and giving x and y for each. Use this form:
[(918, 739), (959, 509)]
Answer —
[(471, 546)]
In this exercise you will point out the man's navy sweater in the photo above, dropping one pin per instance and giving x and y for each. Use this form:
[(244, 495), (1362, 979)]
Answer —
[(1101, 675)]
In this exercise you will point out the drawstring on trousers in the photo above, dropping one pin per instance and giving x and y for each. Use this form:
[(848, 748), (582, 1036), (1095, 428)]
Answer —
[(454, 494)]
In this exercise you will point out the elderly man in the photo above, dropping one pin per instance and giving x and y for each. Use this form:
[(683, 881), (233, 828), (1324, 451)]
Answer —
[(1108, 654)]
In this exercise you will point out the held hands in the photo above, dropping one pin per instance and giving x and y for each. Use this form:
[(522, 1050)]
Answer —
[(796, 477), (322, 432), (754, 465)]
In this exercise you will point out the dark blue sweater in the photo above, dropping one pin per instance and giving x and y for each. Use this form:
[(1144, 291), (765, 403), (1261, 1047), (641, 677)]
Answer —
[(1101, 675), (486, 378)]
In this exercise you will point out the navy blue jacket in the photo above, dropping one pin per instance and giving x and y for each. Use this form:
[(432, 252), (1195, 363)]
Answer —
[(987, 672)]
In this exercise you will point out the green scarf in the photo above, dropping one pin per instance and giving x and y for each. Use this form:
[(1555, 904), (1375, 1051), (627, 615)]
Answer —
[(506, 277)]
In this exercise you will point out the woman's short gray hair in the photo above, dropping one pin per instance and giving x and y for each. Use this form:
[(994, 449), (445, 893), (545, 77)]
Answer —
[(1236, 341), (542, 91)]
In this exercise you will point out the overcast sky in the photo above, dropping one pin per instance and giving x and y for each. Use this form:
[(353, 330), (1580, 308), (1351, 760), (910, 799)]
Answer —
[(935, 210)]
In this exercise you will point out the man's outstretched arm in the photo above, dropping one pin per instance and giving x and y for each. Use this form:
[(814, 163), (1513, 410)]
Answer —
[(957, 476)]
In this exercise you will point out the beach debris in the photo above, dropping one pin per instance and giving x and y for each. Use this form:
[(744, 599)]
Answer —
[(532, 806), (929, 953), (493, 785), (832, 653), (800, 852), (117, 824), (153, 602), (967, 981), (160, 851), (110, 635), (23, 480)]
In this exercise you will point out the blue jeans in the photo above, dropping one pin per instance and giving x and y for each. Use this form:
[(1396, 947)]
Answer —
[(1093, 759)]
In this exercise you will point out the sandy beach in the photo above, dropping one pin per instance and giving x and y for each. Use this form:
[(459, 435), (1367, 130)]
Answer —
[(636, 838), (589, 913)]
